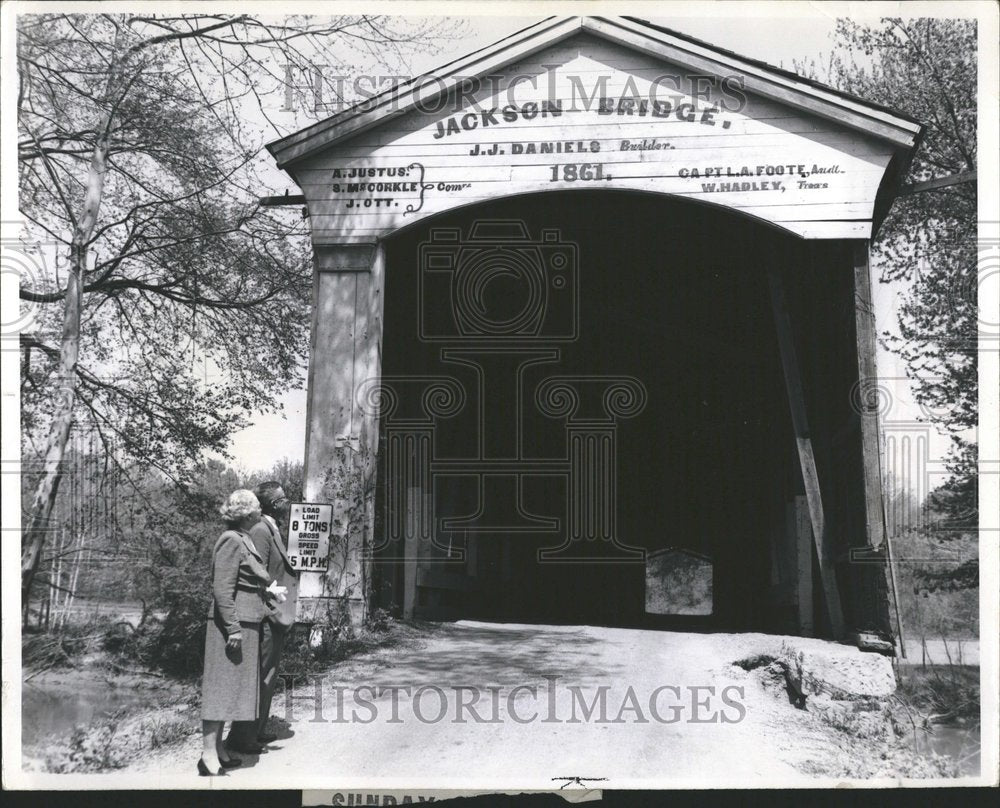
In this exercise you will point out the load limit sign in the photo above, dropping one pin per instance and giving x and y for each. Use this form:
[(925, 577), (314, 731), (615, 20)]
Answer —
[(309, 526)]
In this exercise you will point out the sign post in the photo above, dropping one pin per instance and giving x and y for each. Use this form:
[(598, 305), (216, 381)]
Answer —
[(309, 525)]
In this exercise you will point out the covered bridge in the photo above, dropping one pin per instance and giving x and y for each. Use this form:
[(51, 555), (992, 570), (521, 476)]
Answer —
[(593, 338)]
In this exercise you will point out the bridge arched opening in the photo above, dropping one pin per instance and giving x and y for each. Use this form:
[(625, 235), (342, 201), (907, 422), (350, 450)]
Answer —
[(609, 441)]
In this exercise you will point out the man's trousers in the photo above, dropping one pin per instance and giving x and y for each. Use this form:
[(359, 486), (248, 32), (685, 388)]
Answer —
[(272, 642)]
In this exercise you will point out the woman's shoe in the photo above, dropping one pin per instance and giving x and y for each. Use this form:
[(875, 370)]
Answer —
[(204, 771), (231, 763)]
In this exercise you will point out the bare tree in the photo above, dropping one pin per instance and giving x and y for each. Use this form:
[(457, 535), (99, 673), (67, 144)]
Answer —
[(139, 148)]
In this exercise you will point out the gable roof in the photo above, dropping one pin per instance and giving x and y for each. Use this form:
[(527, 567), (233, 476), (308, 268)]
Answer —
[(759, 78)]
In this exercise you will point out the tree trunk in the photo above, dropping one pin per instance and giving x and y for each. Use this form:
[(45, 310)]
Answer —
[(59, 432), (69, 353)]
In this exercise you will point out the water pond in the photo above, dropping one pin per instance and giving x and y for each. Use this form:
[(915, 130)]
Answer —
[(54, 709)]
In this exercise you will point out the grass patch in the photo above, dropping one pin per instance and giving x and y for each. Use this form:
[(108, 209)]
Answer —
[(167, 730)]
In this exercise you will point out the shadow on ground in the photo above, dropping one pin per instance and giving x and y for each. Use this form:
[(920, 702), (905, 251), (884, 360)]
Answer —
[(483, 655)]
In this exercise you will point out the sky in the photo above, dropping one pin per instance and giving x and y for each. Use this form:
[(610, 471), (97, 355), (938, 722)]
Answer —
[(779, 41)]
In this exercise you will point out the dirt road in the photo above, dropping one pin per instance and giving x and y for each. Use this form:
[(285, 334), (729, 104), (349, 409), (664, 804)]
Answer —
[(506, 705)]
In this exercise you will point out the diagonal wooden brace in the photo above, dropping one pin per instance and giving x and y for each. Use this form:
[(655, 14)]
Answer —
[(803, 443)]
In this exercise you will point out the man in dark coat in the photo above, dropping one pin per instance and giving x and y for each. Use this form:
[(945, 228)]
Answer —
[(251, 736)]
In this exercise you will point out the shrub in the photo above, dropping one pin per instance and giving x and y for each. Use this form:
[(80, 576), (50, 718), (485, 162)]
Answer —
[(942, 693), (61, 647), (379, 621), (313, 649), (175, 644), (89, 749)]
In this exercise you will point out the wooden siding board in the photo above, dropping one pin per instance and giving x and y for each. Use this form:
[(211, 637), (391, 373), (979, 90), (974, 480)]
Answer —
[(644, 38), (812, 177)]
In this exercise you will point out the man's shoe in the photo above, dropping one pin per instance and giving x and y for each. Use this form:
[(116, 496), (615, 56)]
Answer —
[(248, 748), (267, 737)]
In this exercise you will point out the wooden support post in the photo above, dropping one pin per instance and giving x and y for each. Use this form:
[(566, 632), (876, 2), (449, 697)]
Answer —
[(411, 551), (416, 546), (341, 437), (471, 554), (867, 405), (803, 443), (803, 563), (867, 398)]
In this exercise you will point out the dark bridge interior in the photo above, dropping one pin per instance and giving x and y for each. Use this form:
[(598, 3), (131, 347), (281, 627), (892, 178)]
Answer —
[(607, 288)]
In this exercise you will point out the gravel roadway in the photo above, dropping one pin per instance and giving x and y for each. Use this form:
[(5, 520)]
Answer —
[(710, 723)]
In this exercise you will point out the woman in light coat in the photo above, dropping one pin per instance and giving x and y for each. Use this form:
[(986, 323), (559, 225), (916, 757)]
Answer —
[(241, 591)]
